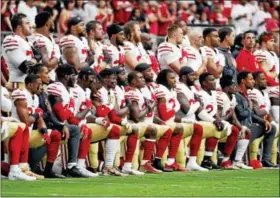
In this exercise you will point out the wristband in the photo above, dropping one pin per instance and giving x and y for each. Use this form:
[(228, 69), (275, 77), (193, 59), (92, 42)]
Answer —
[(36, 116), (43, 131)]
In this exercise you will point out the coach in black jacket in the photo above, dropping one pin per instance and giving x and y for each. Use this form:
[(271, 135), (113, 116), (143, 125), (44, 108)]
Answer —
[(247, 117)]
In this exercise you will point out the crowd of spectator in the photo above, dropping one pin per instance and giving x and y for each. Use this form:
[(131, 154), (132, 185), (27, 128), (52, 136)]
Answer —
[(154, 16)]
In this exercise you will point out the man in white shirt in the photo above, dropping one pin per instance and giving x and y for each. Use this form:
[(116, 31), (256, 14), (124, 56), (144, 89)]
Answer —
[(134, 51), (17, 51), (241, 17), (170, 55), (26, 7), (45, 42), (90, 10)]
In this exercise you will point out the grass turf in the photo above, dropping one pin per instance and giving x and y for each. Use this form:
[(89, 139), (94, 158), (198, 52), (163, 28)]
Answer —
[(213, 183)]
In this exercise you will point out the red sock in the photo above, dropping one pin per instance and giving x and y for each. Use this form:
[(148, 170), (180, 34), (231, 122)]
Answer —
[(174, 144), (52, 148), (131, 146), (148, 149), (231, 141), (15, 146), (196, 139), (24, 146), (84, 146), (163, 143), (115, 133), (211, 143)]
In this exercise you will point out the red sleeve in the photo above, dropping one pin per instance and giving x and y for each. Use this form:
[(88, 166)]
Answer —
[(114, 118), (73, 120), (270, 81), (61, 113), (102, 111), (163, 113)]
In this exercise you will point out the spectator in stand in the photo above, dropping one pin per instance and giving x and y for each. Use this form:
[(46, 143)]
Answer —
[(27, 7), (79, 10), (217, 16), (173, 8), (259, 18), (204, 18), (183, 11), (138, 14), (164, 18), (91, 10), (65, 15), (241, 17), (151, 13), (194, 17), (104, 14), (122, 10), (8, 9)]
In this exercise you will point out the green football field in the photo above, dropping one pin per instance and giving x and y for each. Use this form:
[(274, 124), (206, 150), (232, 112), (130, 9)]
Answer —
[(214, 183)]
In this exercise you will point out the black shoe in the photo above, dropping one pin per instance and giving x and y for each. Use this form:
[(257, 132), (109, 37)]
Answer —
[(73, 172), (53, 175), (207, 163), (157, 164), (93, 170), (269, 164)]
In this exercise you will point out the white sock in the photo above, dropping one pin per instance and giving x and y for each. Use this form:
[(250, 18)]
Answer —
[(192, 160), (208, 153), (225, 159), (14, 168), (170, 161), (71, 164), (143, 162), (24, 165), (81, 163), (111, 148), (241, 148), (127, 165)]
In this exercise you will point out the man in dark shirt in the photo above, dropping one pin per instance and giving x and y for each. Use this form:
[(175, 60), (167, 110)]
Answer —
[(256, 124)]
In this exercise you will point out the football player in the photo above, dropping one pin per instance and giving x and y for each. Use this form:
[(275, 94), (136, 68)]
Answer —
[(75, 38), (95, 36), (262, 107), (63, 105), (274, 97), (211, 53), (115, 48), (247, 116), (167, 111), (122, 108), (208, 96), (226, 105), (12, 132), (139, 111), (164, 133), (17, 51), (26, 109), (104, 103), (134, 51), (266, 56), (169, 55), (49, 50)]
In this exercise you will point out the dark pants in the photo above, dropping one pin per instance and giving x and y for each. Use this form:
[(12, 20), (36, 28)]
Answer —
[(73, 143), (259, 131)]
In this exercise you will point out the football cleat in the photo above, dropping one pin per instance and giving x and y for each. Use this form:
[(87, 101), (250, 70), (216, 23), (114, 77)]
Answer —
[(241, 165), (195, 167), (175, 167), (227, 165), (87, 173), (157, 165), (209, 164), (73, 172), (131, 171), (269, 164), (111, 172), (148, 168), (256, 164), (31, 174), (19, 175)]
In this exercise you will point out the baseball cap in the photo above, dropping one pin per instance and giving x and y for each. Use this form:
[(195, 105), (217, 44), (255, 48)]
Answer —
[(73, 21), (185, 71)]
